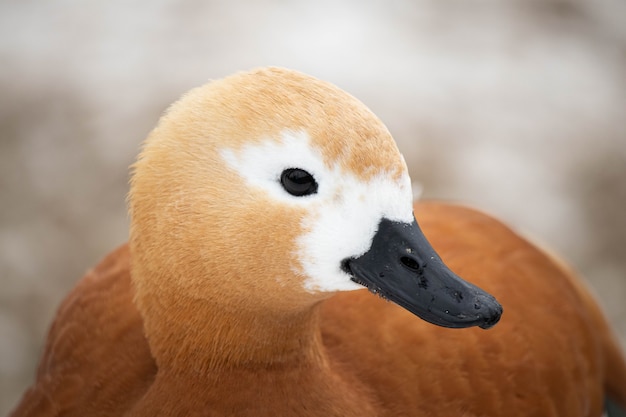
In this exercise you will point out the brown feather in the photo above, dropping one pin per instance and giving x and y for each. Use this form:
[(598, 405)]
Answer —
[(552, 354), (204, 313)]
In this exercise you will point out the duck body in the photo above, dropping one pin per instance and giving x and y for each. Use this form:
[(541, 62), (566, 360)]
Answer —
[(260, 207), (552, 355)]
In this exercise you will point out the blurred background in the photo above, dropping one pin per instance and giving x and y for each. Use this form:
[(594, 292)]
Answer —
[(517, 107)]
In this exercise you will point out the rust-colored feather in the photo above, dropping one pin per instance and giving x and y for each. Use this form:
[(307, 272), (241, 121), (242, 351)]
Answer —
[(552, 354), (96, 360)]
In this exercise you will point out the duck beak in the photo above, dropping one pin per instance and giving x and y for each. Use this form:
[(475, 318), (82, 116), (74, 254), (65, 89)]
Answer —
[(402, 267)]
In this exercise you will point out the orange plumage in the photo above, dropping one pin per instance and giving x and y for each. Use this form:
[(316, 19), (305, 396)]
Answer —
[(222, 305), (552, 354)]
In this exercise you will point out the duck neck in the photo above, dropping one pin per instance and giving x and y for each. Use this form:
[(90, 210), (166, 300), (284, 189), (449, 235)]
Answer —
[(203, 337)]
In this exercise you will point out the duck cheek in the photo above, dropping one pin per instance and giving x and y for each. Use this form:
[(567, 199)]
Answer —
[(326, 241), (249, 248)]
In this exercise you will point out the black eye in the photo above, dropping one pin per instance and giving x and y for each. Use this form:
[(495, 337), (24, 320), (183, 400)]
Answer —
[(298, 182)]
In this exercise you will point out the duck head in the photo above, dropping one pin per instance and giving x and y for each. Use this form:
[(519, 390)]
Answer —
[(272, 189)]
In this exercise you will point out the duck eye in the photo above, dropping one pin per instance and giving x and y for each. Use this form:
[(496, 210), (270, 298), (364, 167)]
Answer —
[(298, 182)]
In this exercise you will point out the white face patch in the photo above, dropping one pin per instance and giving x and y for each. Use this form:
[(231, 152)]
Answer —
[(341, 218)]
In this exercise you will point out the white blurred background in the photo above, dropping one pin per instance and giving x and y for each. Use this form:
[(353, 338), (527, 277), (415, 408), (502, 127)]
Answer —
[(517, 107)]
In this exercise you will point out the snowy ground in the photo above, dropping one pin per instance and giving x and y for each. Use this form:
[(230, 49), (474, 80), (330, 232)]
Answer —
[(517, 107)]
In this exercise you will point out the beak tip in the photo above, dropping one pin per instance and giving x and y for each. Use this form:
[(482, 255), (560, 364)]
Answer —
[(492, 315)]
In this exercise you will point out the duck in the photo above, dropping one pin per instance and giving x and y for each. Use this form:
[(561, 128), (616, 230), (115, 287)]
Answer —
[(276, 267)]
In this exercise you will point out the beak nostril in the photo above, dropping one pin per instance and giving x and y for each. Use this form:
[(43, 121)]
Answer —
[(410, 263)]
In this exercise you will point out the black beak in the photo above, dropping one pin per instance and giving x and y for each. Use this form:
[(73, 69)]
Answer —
[(402, 267)]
